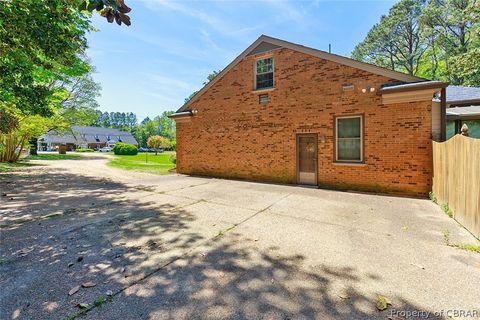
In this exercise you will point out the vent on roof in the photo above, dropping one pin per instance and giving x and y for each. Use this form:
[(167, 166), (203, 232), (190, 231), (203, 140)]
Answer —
[(263, 99)]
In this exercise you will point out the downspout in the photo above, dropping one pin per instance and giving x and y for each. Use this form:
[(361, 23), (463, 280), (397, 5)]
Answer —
[(443, 114), (458, 125)]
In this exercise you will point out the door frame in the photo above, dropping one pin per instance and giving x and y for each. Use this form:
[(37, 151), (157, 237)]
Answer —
[(297, 156)]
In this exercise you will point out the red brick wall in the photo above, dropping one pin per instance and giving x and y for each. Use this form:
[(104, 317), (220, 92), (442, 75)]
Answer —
[(234, 136)]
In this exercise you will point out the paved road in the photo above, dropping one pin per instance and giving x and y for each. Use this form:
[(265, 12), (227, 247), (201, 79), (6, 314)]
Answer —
[(179, 247)]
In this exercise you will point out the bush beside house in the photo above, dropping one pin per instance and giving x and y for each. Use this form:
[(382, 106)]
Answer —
[(125, 149), (84, 150)]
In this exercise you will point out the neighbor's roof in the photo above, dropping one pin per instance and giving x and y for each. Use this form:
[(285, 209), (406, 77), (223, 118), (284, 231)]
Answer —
[(265, 43), (462, 95), (471, 112), (85, 134), (54, 137)]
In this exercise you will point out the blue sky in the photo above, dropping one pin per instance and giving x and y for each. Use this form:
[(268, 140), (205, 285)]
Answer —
[(172, 46)]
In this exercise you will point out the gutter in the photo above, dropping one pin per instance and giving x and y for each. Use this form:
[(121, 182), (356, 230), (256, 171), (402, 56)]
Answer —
[(414, 86), (183, 114)]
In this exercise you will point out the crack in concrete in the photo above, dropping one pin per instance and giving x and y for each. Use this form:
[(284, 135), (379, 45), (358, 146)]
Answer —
[(173, 260)]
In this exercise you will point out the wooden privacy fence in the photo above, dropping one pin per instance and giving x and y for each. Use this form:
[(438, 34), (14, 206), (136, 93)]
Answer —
[(456, 179)]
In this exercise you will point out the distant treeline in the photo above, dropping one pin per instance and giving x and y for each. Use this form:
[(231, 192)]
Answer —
[(160, 125)]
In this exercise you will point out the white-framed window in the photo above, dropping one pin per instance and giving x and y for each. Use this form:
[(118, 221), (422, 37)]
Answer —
[(264, 73), (349, 139)]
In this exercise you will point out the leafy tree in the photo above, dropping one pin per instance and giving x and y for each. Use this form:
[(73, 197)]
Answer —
[(396, 41), (42, 45), (210, 77), (160, 125), (435, 39), (12, 141), (453, 30), (34, 56), (80, 98), (110, 9), (466, 67), (158, 142), (118, 120)]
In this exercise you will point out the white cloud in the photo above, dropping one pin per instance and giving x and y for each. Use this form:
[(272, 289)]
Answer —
[(170, 82), (287, 11), (220, 25)]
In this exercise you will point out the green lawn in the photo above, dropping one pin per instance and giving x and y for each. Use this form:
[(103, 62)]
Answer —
[(54, 156), (158, 164), (7, 166)]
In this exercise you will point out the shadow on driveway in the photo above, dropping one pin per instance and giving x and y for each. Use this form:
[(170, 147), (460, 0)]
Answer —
[(61, 231)]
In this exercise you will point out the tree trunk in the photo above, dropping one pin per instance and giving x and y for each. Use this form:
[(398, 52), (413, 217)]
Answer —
[(33, 146)]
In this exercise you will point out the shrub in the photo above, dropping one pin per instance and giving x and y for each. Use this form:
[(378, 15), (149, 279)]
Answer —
[(125, 149), (447, 210), (433, 197), (173, 158), (84, 150)]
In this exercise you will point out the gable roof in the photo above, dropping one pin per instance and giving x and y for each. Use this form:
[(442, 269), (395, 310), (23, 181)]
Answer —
[(265, 43), (84, 134)]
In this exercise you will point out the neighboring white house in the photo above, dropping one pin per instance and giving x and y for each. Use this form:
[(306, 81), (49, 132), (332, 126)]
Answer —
[(84, 137)]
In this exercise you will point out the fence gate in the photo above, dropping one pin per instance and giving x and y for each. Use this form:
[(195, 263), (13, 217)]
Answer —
[(456, 179)]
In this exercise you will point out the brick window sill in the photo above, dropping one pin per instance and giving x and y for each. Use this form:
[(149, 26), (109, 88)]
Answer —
[(263, 90), (353, 164)]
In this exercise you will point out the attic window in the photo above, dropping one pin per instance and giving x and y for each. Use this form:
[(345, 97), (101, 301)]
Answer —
[(264, 73), (96, 138), (263, 99)]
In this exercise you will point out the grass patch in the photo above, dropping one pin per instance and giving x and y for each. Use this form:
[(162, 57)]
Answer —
[(54, 156), (446, 236), (463, 246), (8, 167), (433, 197), (222, 232), (447, 210), (99, 302), (157, 164), (468, 247)]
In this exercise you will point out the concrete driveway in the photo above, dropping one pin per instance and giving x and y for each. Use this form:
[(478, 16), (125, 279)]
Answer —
[(179, 247)]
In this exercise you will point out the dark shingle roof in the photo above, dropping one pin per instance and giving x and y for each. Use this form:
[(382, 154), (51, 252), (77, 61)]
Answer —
[(84, 134), (460, 94)]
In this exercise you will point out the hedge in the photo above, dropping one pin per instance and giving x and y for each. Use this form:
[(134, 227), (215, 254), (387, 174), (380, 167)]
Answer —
[(84, 150), (121, 148)]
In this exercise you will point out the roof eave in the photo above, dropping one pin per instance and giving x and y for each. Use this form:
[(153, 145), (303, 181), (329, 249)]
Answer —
[(413, 87), (182, 114)]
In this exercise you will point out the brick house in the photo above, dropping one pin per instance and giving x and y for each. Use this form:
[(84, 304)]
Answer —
[(282, 112)]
